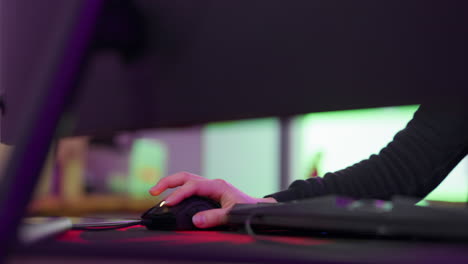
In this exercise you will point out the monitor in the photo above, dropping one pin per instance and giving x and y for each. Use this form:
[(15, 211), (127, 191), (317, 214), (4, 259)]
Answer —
[(331, 141), (199, 62)]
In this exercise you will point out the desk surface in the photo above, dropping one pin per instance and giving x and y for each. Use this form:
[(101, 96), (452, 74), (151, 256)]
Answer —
[(137, 243)]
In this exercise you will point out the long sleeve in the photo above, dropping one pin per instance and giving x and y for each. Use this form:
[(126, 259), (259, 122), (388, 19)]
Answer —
[(412, 164)]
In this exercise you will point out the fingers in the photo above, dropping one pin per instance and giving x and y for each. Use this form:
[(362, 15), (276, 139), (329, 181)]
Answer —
[(208, 188), (210, 218), (172, 181), (187, 190)]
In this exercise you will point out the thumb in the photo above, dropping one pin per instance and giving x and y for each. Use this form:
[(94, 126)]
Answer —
[(210, 218)]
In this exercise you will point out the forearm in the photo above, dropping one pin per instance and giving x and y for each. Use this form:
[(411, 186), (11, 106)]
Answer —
[(413, 164)]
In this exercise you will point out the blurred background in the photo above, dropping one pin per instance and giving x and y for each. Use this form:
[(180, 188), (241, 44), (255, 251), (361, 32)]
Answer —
[(112, 174), (107, 175)]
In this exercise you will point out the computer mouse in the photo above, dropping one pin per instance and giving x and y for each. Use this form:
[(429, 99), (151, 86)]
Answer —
[(177, 217)]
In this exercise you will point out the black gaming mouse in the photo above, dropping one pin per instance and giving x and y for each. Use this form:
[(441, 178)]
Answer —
[(177, 217)]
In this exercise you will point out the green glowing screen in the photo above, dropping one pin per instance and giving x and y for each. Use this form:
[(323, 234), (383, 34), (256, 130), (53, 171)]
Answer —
[(244, 153), (324, 142), (147, 165)]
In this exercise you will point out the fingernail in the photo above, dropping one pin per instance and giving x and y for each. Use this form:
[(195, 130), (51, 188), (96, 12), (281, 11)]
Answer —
[(199, 220), (168, 200)]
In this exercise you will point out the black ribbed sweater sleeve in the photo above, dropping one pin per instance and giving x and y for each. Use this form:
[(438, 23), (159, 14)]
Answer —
[(412, 164)]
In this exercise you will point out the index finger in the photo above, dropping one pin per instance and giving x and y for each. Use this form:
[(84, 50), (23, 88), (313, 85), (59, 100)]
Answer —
[(172, 181)]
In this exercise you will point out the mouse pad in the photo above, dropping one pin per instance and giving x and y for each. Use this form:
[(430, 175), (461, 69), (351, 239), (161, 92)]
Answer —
[(219, 246), (139, 234)]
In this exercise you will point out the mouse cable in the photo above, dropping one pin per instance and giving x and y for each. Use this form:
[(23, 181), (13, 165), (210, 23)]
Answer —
[(248, 226), (251, 232), (249, 229), (105, 228)]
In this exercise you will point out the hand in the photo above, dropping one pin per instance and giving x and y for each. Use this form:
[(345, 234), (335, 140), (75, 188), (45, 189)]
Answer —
[(219, 190)]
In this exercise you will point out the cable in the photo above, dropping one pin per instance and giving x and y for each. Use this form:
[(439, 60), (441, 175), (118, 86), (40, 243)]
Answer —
[(248, 226), (105, 228), (251, 232)]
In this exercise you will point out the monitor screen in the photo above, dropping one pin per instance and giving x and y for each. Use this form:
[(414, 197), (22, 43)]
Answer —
[(331, 141)]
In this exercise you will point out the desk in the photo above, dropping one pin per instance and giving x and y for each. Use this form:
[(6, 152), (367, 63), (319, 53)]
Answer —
[(138, 245)]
